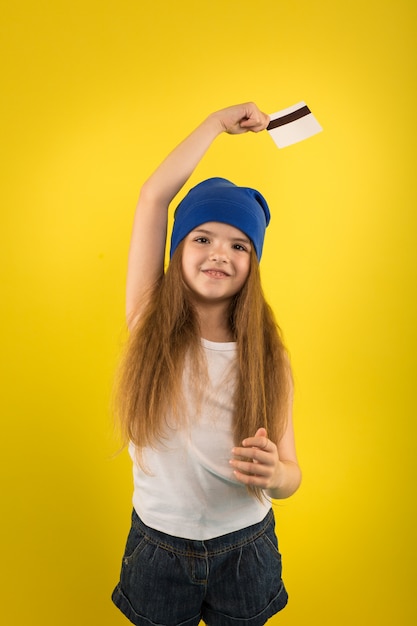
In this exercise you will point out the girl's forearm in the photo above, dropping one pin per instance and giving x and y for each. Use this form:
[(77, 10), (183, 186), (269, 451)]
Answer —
[(174, 171)]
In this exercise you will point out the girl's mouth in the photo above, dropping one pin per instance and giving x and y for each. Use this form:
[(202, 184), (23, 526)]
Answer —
[(215, 273)]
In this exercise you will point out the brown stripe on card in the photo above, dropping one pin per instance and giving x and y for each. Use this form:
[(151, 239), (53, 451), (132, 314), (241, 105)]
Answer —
[(290, 117)]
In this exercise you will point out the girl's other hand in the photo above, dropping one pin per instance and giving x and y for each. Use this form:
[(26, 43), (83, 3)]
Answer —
[(258, 462)]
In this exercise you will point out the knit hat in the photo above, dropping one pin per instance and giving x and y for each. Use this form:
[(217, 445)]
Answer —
[(219, 200)]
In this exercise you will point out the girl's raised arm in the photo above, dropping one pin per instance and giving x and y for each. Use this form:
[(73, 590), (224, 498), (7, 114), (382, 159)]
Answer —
[(147, 247)]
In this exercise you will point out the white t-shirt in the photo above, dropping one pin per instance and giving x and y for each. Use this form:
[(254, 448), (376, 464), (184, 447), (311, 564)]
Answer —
[(189, 489)]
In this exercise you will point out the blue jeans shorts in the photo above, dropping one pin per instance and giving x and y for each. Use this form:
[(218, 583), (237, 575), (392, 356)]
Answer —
[(232, 580)]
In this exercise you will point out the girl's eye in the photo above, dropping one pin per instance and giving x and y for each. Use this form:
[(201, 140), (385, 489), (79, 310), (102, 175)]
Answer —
[(238, 246), (202, 240)]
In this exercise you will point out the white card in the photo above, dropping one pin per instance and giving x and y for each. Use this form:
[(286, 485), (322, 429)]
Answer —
[(293, 124)]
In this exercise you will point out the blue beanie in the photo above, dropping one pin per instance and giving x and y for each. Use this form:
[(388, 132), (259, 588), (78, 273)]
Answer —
[(219, 200)]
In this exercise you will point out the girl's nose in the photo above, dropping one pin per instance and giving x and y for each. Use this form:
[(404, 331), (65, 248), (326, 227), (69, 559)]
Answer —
[(218, 253)]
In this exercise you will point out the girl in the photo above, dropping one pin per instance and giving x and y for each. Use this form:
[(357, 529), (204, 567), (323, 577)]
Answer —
[(204, 401)]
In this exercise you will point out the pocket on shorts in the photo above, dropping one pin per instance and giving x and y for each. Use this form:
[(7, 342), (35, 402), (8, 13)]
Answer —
[(271, 542), (273, 573), (134, 572), (135, 543)]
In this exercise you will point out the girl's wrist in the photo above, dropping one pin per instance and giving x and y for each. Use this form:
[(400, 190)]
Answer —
[(215, 123), (287, 480)]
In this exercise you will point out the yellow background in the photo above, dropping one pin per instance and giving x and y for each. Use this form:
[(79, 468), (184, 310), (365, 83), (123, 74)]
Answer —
[(94, 95)]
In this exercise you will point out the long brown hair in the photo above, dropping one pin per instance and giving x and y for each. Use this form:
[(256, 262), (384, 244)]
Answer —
[(167, 333)]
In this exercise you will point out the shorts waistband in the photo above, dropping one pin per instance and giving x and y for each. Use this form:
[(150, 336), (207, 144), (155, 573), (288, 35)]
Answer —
[(209, 547)]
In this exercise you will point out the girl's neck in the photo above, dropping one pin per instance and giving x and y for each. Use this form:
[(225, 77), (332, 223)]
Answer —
[(214, 324)]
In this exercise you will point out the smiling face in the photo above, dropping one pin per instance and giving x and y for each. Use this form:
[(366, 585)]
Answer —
[(215, 262)]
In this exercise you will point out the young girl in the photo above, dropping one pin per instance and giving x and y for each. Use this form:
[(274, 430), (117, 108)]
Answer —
[(204, 401)]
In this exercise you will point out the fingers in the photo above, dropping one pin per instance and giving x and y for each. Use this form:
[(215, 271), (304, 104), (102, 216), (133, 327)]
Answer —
[(254, 480), (242, 118), (256, 461), (256, 454), (260, 441), (254, 120), (253, 472)]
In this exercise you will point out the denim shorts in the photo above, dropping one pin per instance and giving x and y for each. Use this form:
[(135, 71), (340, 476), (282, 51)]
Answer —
[(230, 580)]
